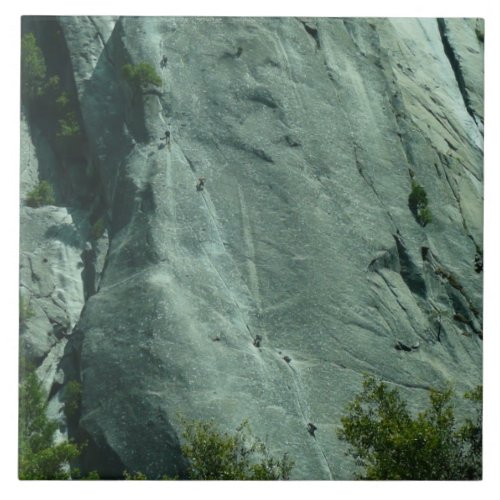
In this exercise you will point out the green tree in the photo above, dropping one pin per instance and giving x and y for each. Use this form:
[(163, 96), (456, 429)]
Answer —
[(391, 444), (67, 123), (68, 126), (424, 216), (39, 457), (471, 434), (62, 103), (215, 455), (140, 76), (33, 69), (418, 203)]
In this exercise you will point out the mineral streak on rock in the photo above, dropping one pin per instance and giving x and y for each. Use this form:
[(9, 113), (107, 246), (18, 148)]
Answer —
[(301, 241)]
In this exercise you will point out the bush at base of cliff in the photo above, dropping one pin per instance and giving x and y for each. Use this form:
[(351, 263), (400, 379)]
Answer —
[(391, 444), (239, 456), (41, 195), (39, 457)]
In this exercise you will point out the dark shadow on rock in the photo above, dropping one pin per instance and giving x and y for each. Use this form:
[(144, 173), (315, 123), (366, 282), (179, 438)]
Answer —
[(410, 272), (66, 233), (263, 96), (89, 258), (62, 160), (106, 104)]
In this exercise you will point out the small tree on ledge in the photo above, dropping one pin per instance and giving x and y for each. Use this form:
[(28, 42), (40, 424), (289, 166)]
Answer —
[(418, 203), (140, 76)]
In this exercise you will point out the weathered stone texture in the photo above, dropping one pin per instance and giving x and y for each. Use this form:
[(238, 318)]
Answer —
[(308, 133)]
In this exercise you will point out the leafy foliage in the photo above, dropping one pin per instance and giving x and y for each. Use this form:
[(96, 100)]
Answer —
[(42, 194), (62, 102), (68, 126), (33, 69), (471, 434), (390, 444), (418, 196), (72, 398), (91, 476), (140, 75), (67, 123), (134, 476), (44, 97), (215, 455), (418, 203), (39, 457), (424, 216)]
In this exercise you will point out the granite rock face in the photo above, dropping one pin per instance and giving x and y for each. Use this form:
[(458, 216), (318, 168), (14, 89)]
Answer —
[(309, 134)]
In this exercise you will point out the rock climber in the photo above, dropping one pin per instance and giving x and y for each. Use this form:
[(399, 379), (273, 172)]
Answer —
[(166, 138), (311, 428), (200, 184), (89, 258)]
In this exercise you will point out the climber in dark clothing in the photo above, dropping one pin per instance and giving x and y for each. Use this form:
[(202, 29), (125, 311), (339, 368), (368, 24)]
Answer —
[(311, 428), (166, 138), (200, 184), (163, 62), (89, 258)]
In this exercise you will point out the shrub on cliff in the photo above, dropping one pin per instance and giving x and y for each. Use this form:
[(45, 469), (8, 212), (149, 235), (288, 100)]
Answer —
[(391, 444), (33, 69), (68, 126), (42, 194), (139, 76), (213, 455), (39, 456), (418, 203), (239, 456)]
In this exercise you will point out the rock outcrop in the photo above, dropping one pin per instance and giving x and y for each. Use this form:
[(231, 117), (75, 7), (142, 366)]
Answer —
[(309, 133)]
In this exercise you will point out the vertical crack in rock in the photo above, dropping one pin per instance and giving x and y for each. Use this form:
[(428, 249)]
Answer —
[(102, 40), (305, 412), (445, 164), (455, 66), (358, 162)]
